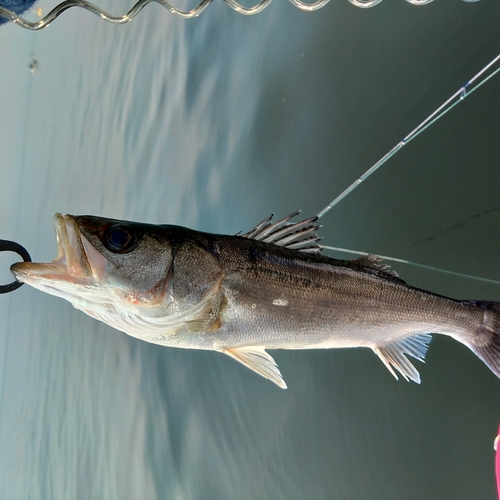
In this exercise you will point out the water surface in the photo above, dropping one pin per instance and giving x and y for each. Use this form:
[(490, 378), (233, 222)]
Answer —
[(214, 123)]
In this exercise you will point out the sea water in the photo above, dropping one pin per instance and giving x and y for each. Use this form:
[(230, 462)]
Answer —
[(214, 123)]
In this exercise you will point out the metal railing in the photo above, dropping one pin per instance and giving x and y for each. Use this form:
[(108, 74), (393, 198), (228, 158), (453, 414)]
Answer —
[(189, 14)]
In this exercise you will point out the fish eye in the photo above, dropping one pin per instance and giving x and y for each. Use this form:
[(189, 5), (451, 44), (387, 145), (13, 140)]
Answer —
[(119, 239)]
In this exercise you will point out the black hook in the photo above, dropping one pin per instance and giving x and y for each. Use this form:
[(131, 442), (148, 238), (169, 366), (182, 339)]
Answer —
[(12, 246)]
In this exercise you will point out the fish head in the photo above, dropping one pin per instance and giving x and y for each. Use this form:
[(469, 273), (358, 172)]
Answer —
[(106, 267)]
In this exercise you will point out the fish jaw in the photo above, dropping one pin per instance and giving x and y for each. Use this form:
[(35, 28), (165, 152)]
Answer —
[(122, 289), (77, 265)]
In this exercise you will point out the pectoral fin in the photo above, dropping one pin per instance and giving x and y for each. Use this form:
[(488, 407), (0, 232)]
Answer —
[(258, 360), (393, 355), (208, 318)]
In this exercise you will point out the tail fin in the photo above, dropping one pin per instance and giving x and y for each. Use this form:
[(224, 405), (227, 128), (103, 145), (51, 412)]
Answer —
[(486, 344)]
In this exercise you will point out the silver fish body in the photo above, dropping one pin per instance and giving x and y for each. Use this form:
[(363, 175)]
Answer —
[(268, 289)]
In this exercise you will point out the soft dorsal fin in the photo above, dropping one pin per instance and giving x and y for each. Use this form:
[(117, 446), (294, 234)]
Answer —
[(393, 353), (258, 360), (300, 236), (374, 262)]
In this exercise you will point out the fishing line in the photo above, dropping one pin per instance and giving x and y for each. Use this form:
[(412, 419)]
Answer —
[(448, 105), (12, 246), (415, 264)]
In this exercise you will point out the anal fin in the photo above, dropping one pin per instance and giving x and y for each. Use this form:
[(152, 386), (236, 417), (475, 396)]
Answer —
[(258, 360), (393, 355)]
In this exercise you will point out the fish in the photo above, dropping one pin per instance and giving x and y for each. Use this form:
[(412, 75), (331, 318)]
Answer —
[(244, 294)]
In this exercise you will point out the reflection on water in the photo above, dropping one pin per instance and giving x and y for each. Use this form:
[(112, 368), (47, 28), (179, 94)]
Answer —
[(214, 124)]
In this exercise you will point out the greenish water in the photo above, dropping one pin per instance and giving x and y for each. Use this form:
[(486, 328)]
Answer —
[(214, 123)]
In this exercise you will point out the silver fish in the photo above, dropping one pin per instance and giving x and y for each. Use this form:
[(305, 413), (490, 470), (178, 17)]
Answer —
[(270, 288)]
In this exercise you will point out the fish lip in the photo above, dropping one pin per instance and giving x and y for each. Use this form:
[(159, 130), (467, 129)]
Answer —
[(71, 264)]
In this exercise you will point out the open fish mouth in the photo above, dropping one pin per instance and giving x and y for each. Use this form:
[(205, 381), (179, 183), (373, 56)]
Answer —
[(77, 261)]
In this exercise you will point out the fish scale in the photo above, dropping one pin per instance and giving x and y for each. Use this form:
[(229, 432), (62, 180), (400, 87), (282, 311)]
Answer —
[(270, 288)]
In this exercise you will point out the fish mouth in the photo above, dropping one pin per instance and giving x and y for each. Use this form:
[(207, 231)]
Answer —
[(77, 261)]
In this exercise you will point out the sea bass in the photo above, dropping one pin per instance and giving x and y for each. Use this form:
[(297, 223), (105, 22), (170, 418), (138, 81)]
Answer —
[(270, 288)]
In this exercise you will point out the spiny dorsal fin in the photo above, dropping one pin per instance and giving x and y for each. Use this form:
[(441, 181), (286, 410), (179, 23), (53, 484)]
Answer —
[(258, 360), (373, 261), (300, 236), (392, 354)]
